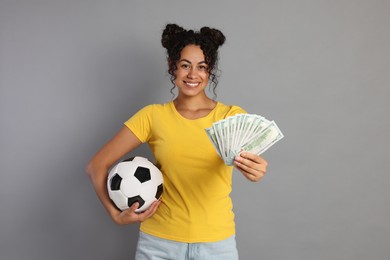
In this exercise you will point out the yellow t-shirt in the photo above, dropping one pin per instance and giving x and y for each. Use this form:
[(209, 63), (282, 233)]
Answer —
[(196, 204)]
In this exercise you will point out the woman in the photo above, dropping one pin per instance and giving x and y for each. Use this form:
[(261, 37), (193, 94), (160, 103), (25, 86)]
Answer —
[(195, 214)]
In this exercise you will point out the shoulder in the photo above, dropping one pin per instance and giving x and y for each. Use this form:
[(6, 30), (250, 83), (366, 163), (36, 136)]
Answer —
[(154, 108), (155, 111), (229, 110)]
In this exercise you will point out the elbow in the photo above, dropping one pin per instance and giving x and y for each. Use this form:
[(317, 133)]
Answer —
[(95, 169), (89, 170)]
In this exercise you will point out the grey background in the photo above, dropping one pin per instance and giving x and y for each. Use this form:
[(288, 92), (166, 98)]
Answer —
[(72, 71)]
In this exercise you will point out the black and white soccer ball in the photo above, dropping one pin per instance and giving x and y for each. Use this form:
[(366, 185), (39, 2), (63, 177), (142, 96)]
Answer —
[(135, 180)]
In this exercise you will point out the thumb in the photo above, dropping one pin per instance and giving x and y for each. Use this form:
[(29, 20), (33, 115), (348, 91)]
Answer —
[(134, 206)]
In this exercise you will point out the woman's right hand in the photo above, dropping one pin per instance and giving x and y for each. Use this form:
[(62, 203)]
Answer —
[(129, 215)]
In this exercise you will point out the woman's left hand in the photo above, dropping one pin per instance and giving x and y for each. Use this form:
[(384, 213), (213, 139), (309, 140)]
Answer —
[(252, 166)]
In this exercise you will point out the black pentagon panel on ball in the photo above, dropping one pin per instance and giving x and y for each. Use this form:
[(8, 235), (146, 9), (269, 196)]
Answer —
[(160, 189), (129, 159), (115, 182), (142, 174), (132, 200)]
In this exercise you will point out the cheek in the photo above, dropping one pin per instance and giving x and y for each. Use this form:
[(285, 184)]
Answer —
[(180, 73), (206, 77)]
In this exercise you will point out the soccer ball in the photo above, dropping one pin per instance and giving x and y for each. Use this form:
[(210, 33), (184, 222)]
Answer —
[(134, 180)]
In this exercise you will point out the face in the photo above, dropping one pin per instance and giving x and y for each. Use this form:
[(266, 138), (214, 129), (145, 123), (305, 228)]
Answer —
[(192, 71)]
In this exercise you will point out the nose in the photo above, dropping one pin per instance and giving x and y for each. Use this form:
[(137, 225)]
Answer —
[(191, 73)]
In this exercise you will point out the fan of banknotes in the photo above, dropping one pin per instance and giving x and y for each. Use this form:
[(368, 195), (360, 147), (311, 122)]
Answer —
[(243, 132)]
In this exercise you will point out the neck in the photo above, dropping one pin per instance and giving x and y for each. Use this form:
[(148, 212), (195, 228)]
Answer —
[(194, 108), (193, 103)]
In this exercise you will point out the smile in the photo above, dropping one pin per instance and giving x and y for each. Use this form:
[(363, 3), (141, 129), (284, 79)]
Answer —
[(192, 84)]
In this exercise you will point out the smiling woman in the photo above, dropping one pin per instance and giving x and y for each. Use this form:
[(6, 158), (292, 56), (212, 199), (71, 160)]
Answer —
[(195, 214), (175, 39), (191, 77)]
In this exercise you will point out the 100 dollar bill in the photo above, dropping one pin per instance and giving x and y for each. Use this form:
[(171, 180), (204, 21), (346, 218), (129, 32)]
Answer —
[(263, 140), (242, 132)]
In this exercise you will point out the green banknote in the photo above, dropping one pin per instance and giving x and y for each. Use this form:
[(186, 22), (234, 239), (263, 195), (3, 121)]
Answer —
[(243, 132)]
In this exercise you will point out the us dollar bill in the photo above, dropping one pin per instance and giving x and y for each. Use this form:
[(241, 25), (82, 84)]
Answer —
[(264, 139), (243, 132)]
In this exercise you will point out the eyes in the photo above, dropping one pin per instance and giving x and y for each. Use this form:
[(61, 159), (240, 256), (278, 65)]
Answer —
[(187, 66)]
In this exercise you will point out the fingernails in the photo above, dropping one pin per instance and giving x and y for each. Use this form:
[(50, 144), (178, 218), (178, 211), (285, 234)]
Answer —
[(242, 154)]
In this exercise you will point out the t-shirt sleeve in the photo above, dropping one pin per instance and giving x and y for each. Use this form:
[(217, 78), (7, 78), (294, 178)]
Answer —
[(141, 123), (234, 110)]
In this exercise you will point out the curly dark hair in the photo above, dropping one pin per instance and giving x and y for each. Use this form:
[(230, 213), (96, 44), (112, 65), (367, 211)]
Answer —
[(175, 38)]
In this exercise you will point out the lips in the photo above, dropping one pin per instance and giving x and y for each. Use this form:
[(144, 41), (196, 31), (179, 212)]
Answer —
[(192, 84)]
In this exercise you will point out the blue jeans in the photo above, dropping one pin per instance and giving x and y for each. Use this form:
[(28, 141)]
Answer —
[(154, 248)]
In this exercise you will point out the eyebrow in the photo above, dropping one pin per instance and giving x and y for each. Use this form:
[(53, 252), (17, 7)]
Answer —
[(202, 62)]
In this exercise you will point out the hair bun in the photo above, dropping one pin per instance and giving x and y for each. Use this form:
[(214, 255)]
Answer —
[(170, 35), (214, 35)]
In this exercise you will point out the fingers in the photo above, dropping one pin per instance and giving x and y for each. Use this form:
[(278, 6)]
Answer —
[(253, 157), (134, 207), (129, 215), (249, 173), (148, 212), (252, 166)]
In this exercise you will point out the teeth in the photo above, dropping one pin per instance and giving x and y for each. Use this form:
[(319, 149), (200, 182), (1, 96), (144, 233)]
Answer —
[(192, 84)]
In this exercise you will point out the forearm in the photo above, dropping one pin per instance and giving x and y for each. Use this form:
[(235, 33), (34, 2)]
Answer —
[(98, 177), (128, 216), (97, 169)]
